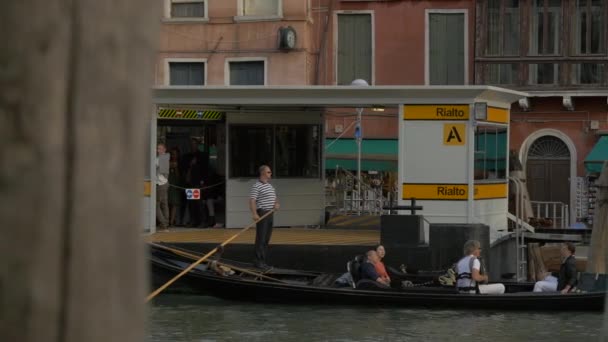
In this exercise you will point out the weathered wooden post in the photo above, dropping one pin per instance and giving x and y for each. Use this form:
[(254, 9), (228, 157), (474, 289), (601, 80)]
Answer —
[(598, 255), (75, 79), (598, 258)]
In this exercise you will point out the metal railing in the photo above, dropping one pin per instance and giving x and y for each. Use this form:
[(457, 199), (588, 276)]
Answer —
[(345, 197), (557, 212), (520, 243)]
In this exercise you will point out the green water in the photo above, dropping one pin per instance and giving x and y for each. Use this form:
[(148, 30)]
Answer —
[(198, 318)]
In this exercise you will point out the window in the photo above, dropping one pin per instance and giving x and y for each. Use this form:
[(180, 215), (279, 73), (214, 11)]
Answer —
[(558, 43), (250, 72), (490, 153), (503, 28), (590, 27), (545, 27), (250, 147), (446, 54), (354, 57), (297, 148), (290, 150), (501, 74), (545, 73), (260, 8), (187, 9), (588, 73), (186, 73)]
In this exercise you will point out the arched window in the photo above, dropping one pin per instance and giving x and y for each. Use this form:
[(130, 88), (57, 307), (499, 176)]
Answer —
[(548, 147)]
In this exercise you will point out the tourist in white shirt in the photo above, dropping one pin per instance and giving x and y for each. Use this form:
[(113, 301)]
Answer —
[(469, 272)]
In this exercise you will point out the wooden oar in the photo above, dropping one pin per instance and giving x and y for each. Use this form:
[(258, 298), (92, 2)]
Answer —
[(195, 257), (204, 257)]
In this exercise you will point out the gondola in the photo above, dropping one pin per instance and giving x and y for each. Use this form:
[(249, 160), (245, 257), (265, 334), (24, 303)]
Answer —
[(235, 281)]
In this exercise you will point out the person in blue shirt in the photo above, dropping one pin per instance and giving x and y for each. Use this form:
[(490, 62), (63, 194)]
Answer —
[(368, 268)]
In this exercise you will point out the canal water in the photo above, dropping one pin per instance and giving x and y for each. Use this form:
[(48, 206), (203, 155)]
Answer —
[(200, 318)]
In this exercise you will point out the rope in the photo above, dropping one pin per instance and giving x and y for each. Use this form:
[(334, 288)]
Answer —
[(202, 188), (408, 283)]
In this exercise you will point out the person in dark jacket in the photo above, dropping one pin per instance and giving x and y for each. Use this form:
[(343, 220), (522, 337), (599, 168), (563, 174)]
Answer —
[(567, 273), (368, 269), (195, 166)]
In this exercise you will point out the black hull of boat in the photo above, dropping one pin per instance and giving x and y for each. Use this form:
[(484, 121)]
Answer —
[(234, 288)]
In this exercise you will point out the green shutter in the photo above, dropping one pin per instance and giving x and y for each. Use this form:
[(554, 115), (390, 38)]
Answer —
[(354, 48), (446, 48)]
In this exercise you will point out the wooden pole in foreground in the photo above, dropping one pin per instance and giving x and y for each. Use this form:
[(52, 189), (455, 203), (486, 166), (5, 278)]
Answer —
[(598, 252), (75, 79), (205, 257)]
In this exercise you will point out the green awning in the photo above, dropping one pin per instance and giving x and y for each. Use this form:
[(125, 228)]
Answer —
[(366, 165), (376, 154), (599, 153)]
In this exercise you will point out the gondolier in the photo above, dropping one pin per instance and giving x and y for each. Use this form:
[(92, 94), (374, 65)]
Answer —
[(261, 200)]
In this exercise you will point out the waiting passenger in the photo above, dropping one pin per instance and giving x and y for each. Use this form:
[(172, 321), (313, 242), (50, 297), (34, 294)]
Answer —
[(368, 268), (380, 268), (567, 273), (469, 272)]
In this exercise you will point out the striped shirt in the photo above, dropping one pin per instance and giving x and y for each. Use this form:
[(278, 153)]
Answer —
[(264, 195)]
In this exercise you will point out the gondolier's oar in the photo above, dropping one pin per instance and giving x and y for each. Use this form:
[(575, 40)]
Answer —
[(195, 257), (205, 257)]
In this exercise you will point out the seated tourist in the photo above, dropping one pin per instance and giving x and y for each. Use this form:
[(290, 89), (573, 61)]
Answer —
[(368, 268), (567, 273), (469, 272), (380, 268)]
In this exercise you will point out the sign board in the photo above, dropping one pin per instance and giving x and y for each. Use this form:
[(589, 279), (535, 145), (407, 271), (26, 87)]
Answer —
[(490, 191), (499, 115), (454, 134), (453, 192), (436, 112), (193, 194)]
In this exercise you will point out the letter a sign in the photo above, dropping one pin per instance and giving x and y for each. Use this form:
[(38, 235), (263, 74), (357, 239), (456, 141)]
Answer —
[(454, 134)]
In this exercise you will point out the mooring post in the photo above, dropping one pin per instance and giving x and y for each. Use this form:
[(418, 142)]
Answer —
[(74, 89)]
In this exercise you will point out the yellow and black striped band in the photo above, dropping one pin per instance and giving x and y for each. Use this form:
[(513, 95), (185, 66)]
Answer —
[(190, 114)]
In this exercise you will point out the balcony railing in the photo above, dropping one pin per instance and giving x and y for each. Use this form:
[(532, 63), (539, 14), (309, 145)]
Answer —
[(550, 214)]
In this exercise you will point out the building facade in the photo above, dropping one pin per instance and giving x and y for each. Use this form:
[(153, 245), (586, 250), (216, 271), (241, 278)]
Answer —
[(237, 42), (218, 148), (556, 51)]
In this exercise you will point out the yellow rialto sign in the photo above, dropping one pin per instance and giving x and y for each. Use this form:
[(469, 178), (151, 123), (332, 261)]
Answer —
[(436, 112), (435, 191), (147, 188), (489, 191), (453, 192), (499, 115), (454, 134)]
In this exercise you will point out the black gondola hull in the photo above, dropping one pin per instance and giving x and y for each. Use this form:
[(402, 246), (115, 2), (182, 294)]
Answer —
[(234, 288)]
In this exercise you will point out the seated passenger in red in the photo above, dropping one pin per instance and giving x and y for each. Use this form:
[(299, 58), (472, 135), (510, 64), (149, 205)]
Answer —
[(380, 268), (368, 268)]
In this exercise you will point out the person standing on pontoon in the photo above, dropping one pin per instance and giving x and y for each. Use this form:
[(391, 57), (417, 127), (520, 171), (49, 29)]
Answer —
[(469, 275), (263, 199)]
